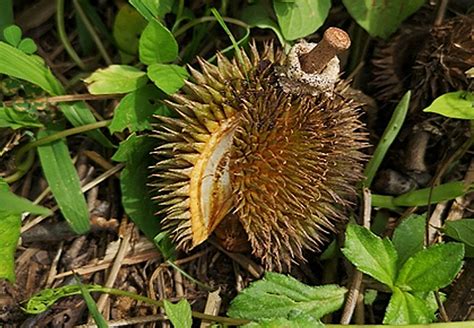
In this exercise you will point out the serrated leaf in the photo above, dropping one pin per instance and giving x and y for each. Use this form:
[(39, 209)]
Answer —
[(405, 308), (128, 25), (409, 237), (14, 119), (135, 110), (380, 17), (431, 268), (62, 178), (169, 78), (12, 35), (462, 230), (425, 196), (133, 183), (371, 254), (9, 234), (298, 322), (300, 18), (280, 296), (459, 104), (157, 44), (115, 79), (28, 46), (179, 314)]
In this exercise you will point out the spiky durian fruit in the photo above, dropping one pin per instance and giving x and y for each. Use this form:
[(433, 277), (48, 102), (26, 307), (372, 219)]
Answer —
[(429, 60), (282, 165)]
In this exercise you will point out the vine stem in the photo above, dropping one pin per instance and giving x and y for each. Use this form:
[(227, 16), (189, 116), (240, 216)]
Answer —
[(205, 19), (63, 35)]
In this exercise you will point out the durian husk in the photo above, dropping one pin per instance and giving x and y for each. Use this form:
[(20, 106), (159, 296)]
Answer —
[(429, 60), (286, 165)]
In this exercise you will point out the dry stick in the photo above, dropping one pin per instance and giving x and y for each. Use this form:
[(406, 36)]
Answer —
[(357, 277), (333, 43), (441, 11)]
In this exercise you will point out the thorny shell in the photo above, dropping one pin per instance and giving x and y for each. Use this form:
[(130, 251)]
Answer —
[(284, 164)]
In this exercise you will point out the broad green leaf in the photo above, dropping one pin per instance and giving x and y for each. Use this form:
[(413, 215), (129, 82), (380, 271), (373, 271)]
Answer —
[(179, 314), (157, 44), (257, 15), (10, 118), (28, 46), (381, 17), (128, 26), (409, 237), (92, 306), (14, 62), (280, 296), (10, 224), (459, 104), (135, 151), (12, 35), (389, 135), (405, 308), (371, 254), (298, 322), (6, 15), (439, 194), (135, 110), (115, 79), (462, 230), (300, 18), (169, 78), (431, 268), (62, 178)]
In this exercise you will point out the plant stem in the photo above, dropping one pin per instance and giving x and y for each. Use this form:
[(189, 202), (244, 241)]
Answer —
[(24, 165), (205, 19), (440, 12), (187, 275), (63, 35), (63, 98), (92, 32)]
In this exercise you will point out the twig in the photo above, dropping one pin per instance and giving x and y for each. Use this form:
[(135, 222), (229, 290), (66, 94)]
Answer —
[(356, 281), (441, 11)]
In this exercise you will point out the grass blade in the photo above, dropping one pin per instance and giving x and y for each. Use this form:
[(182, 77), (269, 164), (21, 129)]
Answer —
[(92, 306), (388, 136), (64, 183)]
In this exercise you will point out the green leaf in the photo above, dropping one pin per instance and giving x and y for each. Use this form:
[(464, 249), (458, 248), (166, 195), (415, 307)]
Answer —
[(14, 62), (115, 79), (169, 78), (459, 104), (439, 194), (389, 135), (153, 9), (405, 308), (165, 245), (135, 110), (462, 230), (371, 254), (257, 15), (79, 114), (300, 18), (431, 268), (128, 26), (12, 35), (62, 178), (280, 296), (179, 314), (409, 237), (157, 44), (28, 46), (135, 151), (298, 322), (92, 306), (14, 119), (11, 203), (380, 17), (10, 224)]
